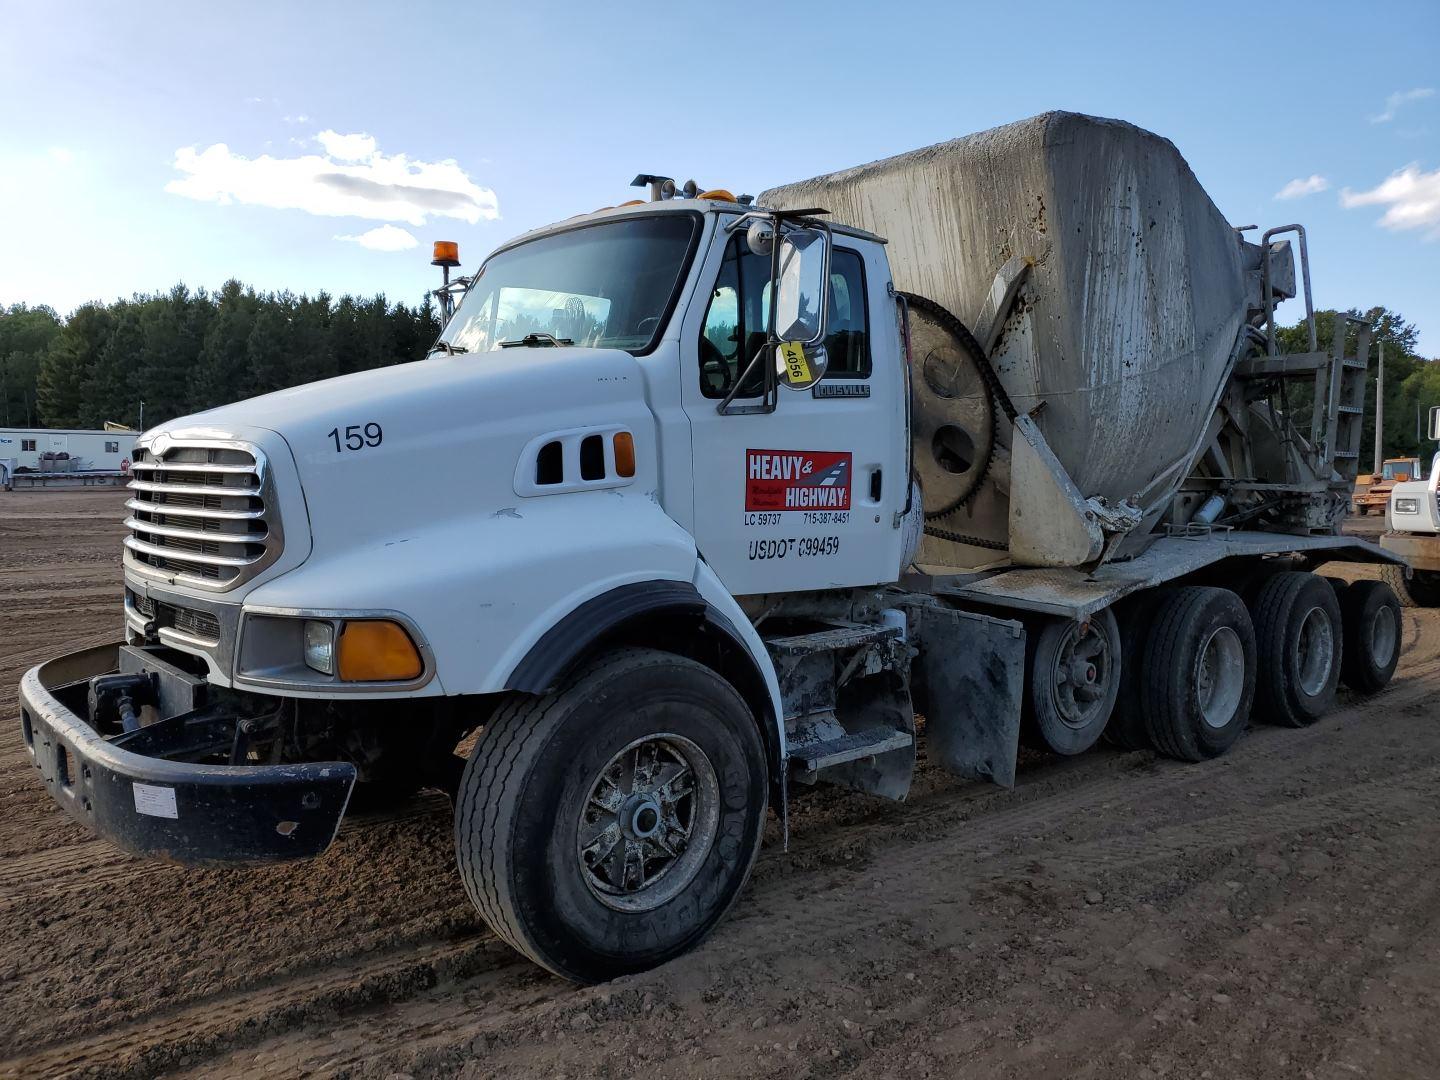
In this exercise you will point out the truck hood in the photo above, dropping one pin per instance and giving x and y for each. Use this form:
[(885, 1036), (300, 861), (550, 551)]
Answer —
[(384, 454)]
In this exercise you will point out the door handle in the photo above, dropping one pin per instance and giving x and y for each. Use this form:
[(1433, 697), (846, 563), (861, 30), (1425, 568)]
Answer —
[(876, 483)]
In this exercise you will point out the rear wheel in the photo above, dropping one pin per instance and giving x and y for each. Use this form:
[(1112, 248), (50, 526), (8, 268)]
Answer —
[(1298, 637), (1074, 679), (1370, 614), (1417, 588), (1198, 673), (607, 827)]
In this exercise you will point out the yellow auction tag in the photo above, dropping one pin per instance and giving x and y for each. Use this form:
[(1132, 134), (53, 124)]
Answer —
[(797, 368)]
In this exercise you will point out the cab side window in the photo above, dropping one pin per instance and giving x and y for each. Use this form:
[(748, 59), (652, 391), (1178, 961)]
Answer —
[(847, 324), (739, 311)]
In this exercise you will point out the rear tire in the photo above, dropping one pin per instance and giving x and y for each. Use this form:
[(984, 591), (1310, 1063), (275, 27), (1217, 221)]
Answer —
[(1198, 674), (1370, 614), (1299, 636), (1075, 669), (1420, 588), (644, 764)]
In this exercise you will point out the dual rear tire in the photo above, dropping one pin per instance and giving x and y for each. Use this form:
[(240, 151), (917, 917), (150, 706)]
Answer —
[(1196, 679), (1196, 661)]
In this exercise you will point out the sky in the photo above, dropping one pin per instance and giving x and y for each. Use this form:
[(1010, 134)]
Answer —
[(326, 145)]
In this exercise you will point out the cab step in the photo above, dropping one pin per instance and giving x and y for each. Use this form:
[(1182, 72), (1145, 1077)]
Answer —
[(838, 637), (824, 753)]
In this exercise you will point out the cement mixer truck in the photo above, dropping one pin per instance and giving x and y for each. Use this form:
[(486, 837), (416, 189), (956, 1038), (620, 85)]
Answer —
[(701, 500)]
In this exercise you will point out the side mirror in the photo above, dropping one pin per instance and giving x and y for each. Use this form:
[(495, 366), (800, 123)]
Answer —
[(1435, 423), (801, 299)]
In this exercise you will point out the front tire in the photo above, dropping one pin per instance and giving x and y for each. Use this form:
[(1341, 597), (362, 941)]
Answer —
[(1299, 638), (607, 827), (1416, 589)]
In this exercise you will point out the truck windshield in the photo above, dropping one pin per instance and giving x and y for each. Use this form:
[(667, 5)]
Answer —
[(606, 286)]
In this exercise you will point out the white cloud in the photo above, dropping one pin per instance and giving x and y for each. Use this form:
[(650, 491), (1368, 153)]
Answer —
[(1300, 187), (384, 238), (1411, 198), (62, 155), (355, 179), (300, 119), (1400, 98), (357, 147)]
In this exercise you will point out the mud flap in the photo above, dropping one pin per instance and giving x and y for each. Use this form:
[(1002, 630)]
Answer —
[(973, 669)]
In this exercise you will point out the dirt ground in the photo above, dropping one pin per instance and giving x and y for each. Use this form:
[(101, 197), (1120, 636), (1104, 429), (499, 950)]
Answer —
[(1275, 913)]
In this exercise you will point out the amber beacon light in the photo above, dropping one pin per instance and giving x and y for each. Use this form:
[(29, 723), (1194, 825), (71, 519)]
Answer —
[(447, 253)]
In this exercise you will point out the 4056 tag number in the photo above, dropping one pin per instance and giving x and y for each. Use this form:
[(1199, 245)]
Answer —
[(357, 436)]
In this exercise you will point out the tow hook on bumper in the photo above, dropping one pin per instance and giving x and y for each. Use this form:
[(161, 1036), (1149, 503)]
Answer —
[(131, 789)]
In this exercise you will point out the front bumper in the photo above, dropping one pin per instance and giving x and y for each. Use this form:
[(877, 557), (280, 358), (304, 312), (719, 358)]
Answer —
[(131, 790), (1420, 550)]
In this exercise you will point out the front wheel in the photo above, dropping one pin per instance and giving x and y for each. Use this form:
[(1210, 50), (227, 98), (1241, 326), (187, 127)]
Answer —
[(1413, 588), (607, 827)]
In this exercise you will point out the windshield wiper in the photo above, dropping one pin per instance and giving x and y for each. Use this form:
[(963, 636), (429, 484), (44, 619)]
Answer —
[(446, 347), (537, 340)]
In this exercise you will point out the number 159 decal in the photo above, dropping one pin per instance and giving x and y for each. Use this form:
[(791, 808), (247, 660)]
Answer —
[(357, 436)]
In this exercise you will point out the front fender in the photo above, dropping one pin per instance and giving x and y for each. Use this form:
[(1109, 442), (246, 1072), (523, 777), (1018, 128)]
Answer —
[(483, 589)]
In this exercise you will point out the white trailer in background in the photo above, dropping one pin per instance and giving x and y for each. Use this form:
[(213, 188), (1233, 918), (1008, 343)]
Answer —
[(84, 450)]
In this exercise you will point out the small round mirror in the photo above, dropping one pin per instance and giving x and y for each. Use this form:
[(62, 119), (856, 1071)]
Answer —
[(760, 236)]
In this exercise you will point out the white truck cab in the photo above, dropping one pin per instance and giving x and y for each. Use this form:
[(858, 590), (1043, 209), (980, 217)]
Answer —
[(1412, 519)]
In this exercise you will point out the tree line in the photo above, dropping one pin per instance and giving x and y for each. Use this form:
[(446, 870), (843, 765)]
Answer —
[(182, 352), (1412, 383)]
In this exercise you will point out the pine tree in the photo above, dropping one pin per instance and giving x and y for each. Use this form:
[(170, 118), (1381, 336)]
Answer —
[(167, 357), (221, 373), (311, 346), (68, 363), (108, 393), (267, 362)]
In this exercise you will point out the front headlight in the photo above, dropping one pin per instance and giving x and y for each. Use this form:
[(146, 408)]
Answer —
[(1407, 506), (314, 649), (320, 646)]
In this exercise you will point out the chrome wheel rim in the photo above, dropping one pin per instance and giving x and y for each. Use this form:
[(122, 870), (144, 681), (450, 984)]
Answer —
[(1315, 650), (1384, 635), (1081, 674), (648, 822), (1220, 680)]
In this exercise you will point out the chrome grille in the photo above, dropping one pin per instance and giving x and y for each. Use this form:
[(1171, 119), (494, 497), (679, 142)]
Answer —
[(201, 625), (201, 515)]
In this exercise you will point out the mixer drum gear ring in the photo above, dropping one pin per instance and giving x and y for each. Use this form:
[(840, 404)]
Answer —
[(952, 418)]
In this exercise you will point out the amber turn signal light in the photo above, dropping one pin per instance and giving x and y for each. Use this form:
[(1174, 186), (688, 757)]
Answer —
[(376, 650), (624, 453)]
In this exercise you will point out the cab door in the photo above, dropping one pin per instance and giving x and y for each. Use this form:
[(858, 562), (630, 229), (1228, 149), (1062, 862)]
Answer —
[(808, 496)]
